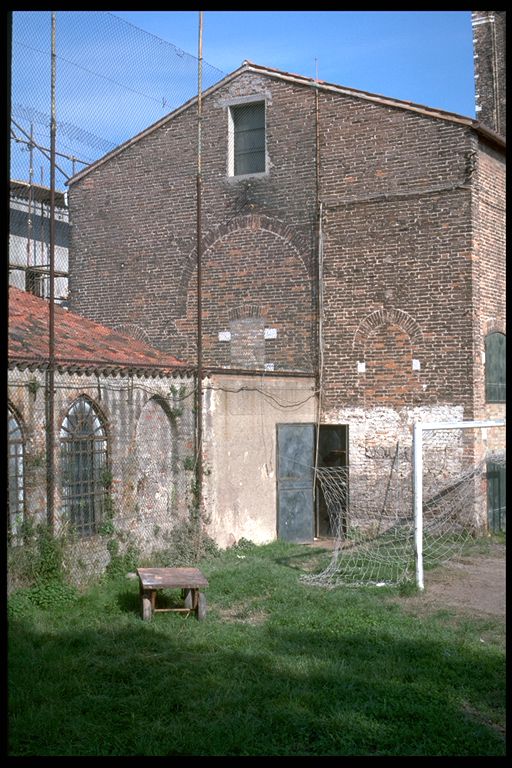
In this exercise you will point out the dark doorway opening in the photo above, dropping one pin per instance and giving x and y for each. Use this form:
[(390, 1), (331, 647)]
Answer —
[(333, 453), (302, 510)]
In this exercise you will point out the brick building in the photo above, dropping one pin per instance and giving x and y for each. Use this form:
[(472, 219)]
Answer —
[(489, 36), (121, 434), (351, 239)]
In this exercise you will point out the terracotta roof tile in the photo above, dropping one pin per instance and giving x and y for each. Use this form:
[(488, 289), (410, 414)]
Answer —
[(78, 340)]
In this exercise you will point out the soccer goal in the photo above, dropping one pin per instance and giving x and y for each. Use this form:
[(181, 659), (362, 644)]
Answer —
[(451, 491), (413, 508)]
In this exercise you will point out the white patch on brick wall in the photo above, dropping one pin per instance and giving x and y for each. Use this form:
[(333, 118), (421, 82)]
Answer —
[(270, 333), (361, 367), (416, 365), (224, 335)]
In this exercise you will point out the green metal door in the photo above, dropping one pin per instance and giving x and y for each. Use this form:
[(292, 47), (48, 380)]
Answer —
[(295, 456), (496, 497)]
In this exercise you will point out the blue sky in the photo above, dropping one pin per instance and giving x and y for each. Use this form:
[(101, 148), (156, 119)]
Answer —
[(420, 56), (120, 71)]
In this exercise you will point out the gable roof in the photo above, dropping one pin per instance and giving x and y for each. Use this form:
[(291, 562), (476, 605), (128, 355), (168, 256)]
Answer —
[(80, 343), (248, 66)]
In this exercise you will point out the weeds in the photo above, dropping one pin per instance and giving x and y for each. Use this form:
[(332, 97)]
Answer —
[(277, 668)]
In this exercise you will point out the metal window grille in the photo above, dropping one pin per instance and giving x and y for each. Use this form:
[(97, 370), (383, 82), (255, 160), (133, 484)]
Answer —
[(84, 465), (36, 282), (16, 495), (249, 138)]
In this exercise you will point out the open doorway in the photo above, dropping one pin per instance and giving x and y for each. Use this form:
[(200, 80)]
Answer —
[(332, 452), (302, 513)]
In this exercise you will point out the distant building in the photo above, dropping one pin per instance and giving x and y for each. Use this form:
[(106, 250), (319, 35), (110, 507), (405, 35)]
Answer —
[(29, 240)]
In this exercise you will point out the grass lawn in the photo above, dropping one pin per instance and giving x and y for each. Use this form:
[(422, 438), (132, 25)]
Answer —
[(276, 668)]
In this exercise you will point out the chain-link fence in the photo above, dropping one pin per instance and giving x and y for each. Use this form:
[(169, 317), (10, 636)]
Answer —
[(124, 481), (112, 80), (123, 446)]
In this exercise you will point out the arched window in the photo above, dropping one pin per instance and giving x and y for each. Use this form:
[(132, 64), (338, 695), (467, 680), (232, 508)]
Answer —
[(16, 496), (85, 477), (495, 367)]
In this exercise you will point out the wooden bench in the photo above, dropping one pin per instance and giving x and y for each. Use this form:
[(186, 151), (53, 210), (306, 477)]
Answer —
[(189, 580)]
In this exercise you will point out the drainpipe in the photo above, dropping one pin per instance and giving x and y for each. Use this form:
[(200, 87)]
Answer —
[(199, 399), (320, 290)]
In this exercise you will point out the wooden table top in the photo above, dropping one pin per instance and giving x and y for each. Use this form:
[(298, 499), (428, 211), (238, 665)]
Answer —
[(171, 578)]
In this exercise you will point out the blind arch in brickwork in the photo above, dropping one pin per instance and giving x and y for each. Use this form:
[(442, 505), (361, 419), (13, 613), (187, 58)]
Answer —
[(388, 342), (386, 317)]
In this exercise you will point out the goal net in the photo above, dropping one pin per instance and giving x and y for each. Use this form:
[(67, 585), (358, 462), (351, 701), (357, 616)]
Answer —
[(396, 516)]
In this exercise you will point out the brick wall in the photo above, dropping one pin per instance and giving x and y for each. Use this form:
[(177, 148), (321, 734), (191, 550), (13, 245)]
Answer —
[(149, 425), (489, 44), (134, 240), (398, 254), (489, 267), (398, 194)]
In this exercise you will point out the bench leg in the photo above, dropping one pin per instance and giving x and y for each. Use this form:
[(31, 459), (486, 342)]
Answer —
[(146, 605), (201, 606)]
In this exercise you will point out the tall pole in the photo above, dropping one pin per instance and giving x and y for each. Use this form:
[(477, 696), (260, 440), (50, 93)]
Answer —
[(30, 261), (417, 485), (199, 403), (50, 389)]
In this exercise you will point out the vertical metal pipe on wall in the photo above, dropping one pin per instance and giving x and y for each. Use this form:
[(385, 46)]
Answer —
[(199, 403), (320, 289), (50, 373)]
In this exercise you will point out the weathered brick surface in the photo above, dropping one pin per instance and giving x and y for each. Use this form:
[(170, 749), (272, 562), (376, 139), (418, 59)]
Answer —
[(410, 258), (489, 44), (489, 308)]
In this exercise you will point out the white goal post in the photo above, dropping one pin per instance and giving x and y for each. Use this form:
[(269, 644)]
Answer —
[(417, 478)]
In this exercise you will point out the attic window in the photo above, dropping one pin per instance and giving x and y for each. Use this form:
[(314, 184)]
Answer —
[(247, 138)]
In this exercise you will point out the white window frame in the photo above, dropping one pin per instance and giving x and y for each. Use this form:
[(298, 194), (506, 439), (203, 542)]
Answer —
[(233, 104)]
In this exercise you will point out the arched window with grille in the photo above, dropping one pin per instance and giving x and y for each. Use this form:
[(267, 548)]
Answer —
[(495, 367), (16, 472), (84, 466)]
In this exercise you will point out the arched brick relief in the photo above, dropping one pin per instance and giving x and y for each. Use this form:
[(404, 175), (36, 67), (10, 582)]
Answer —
[(493, 325), (135, 331), (155, 456), (381, 317), (253, 222), (243, 312), (254, 275), (388, 344)]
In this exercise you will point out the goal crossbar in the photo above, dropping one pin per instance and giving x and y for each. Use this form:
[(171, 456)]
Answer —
[(417, 478)]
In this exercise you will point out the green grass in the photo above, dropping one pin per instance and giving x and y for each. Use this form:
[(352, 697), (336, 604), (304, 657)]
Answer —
[(276, 668)]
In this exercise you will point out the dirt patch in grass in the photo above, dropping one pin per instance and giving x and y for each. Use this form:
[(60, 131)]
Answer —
[(243, 615), (474, 585)]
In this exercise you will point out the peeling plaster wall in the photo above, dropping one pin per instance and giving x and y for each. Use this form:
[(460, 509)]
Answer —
[(241, 416), (149, 424)]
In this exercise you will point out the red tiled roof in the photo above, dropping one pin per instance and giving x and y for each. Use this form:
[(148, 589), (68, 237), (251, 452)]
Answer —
[(79, 342)]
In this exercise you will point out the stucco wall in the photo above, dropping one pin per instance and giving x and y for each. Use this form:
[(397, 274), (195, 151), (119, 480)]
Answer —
[(241, 417)]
